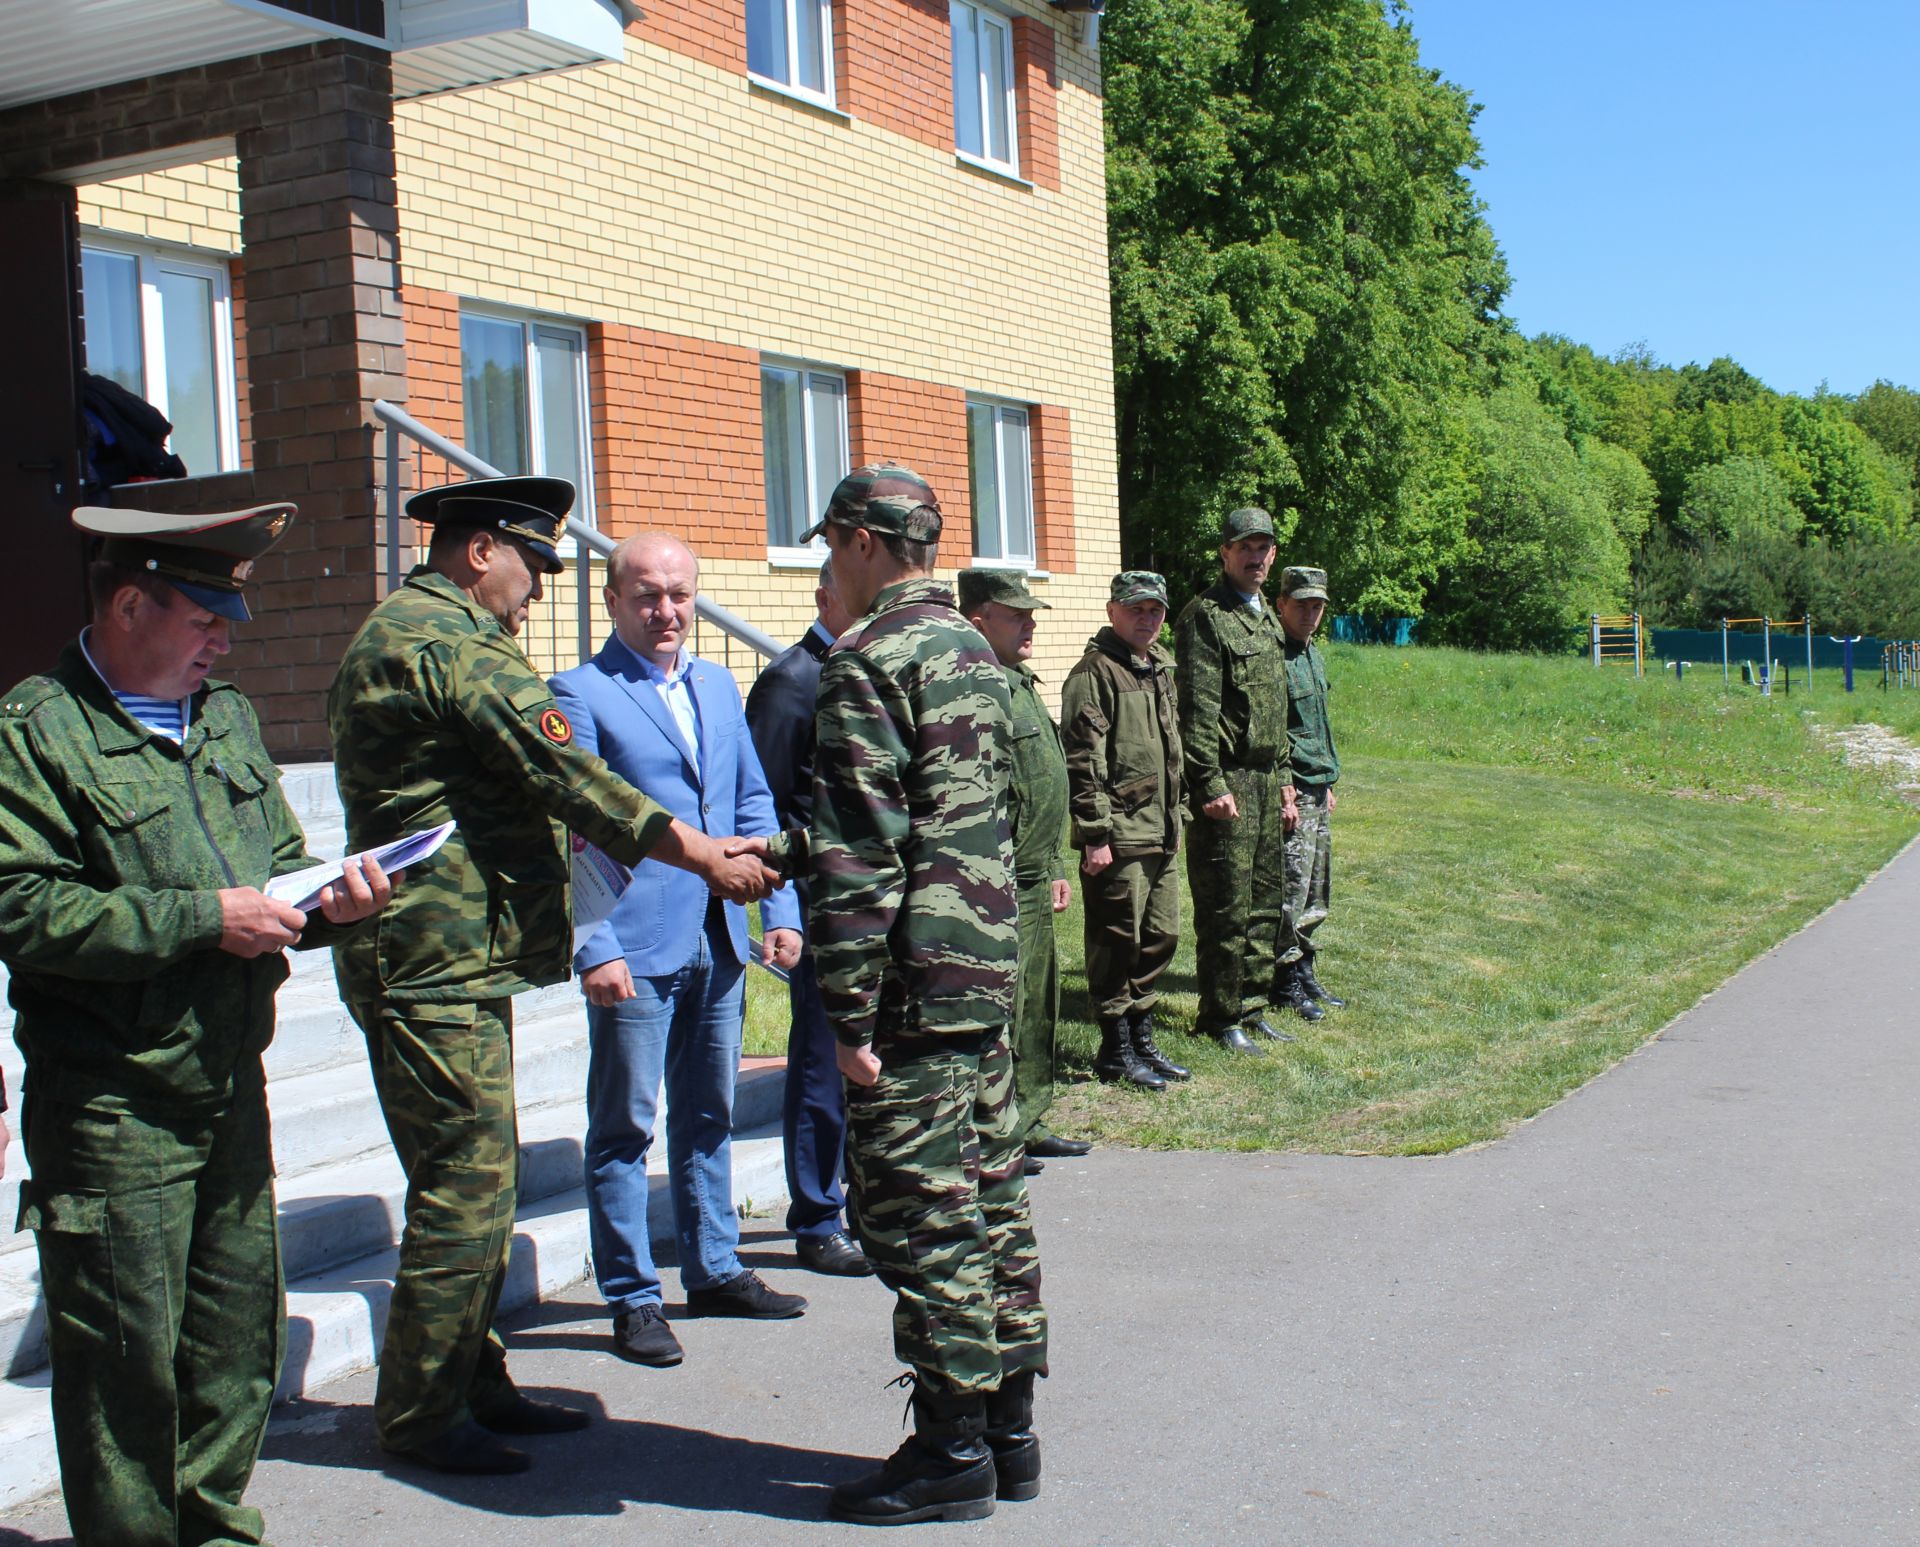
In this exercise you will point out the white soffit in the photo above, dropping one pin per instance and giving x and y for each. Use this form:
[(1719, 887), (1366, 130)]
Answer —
[(449, 45)]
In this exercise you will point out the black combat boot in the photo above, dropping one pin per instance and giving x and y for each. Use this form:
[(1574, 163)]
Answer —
[(1312, 985), (944, 1470), (1235, 1040), (1293, 995), (1141, 1026), (1016, 1448), (1116, 1062)]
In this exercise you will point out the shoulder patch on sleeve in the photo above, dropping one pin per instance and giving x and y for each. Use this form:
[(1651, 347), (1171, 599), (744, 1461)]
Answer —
[(556, 727)]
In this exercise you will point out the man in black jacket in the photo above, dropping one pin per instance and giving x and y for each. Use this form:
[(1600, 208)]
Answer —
[(814, 1127)]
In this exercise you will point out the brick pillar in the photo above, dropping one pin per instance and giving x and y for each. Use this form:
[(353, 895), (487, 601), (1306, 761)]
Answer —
[(319, 225)]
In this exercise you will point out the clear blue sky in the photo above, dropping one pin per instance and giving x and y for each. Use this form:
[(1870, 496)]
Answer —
[(1706, 177)]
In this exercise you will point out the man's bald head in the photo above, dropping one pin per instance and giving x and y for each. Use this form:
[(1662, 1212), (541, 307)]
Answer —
[(652, 581), (654, 549)]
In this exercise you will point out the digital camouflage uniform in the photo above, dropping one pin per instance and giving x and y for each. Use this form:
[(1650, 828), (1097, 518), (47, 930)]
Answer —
[(1316, 768), (1231, 673), (144, 1111), (912, 920), (1120, 721), (1037, 817), (436, 714)]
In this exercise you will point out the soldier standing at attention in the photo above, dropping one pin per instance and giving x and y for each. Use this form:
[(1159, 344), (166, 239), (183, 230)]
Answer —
[(998, 603), (913, 928), (140, 816), (1121, 724), (1316, 769), (435, 715), (1231, 672)]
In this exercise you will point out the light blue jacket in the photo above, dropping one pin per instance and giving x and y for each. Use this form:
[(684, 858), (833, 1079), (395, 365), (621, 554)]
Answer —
[(617, 713)]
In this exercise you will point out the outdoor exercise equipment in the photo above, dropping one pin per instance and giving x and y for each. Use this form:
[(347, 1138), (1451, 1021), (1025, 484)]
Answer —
[(1767, 662), (1846, 642), (1618, 638)]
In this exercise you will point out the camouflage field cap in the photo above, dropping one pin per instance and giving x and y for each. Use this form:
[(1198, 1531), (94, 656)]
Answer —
[(206, 558), (884, 497), (1303, 583), (1251, 521), (1139, 585), (1008, 587), (532, 509)]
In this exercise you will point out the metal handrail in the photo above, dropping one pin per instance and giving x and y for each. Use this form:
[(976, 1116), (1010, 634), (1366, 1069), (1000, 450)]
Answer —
[(398, 419)]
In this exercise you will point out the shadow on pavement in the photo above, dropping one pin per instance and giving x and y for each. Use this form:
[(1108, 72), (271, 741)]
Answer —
[(599, 1471)]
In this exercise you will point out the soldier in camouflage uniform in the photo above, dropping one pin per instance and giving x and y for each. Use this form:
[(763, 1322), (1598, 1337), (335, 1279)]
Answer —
[(140, 816), (912, 921), (436, 714), (998, 603), (1231, 674), (1121, 724), (1316, 769)]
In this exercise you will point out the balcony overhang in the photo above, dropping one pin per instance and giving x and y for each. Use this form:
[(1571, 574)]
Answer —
[(56, 48)]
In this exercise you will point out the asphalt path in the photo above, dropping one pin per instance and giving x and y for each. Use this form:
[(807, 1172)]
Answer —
[(1679, 1307)]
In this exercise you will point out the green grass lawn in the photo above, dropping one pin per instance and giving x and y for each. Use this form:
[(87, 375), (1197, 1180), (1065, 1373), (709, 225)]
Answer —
[(1537, 864)]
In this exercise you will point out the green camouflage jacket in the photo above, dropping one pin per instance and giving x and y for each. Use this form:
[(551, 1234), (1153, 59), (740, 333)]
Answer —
[(1231, 672), (912, 916), (1037, 796), (436, 714), (1121, 726), (1309, 735), (113, 845)]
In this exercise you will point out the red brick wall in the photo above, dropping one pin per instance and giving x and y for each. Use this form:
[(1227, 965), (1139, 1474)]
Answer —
[(1052, 445), (676, 439), (1036, 80), (921, 425), (897, 66), (434, 394), (714, 31)]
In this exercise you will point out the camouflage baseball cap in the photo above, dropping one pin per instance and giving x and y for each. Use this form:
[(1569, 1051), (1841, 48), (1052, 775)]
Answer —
[(1008, 587), (884, 497), (1139, 585), (206, 558), (1249, 522), (1303, 583)]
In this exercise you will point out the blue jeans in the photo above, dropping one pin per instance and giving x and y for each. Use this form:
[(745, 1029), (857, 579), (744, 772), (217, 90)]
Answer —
[(686, 1026)]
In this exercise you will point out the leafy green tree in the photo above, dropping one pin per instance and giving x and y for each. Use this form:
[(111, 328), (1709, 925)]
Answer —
[(1739, 497), (1844, 484), (1891, 415)]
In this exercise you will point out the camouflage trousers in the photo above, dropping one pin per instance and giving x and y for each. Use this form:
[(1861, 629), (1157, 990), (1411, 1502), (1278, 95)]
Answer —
[(160, 1264), (1132, 931), (444, 1073), (937, 1192), (1237, 873), (1309, 873), (1036, 1011)]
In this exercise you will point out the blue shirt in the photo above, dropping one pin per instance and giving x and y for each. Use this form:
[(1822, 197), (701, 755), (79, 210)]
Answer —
[(675, 692)]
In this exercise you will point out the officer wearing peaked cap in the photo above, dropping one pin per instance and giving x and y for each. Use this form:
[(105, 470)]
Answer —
[(437, 715), (140, 816)]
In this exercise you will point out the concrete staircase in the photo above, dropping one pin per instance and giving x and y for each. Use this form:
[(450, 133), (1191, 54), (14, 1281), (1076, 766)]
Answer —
[(341, 1192)]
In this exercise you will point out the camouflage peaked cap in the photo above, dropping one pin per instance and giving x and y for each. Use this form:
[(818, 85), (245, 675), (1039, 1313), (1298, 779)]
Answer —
[(1008, 587), (207, 559), (1303, 583), (1139, 585), (1249, 522), (884, 497)]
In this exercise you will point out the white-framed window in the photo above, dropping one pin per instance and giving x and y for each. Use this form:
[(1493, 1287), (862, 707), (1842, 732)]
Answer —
[(790, 45), (1000, 472), (803, 413), (160, 323), (524, 381), (984, 119)]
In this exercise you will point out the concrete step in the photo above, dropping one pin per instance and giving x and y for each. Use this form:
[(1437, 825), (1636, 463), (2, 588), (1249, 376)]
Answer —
[(335, 1318), (355, 1206)]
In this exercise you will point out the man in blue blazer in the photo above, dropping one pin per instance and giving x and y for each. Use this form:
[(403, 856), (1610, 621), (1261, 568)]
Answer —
[(664, 974), (814, 1130)]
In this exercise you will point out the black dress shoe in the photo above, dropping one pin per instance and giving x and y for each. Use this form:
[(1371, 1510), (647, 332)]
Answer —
[(641, 1336), (468, 1448), (1056, 1148), (1234, 1040), (1265, 1028), (833, 1253), (744, 1295), (1033, 1167), (523, 1415)]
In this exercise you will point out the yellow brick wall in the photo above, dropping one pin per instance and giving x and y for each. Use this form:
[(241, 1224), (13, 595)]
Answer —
[(190, 206)]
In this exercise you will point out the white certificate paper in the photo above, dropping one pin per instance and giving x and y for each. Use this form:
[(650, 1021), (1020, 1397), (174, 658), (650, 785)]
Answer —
[(302, 888)]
